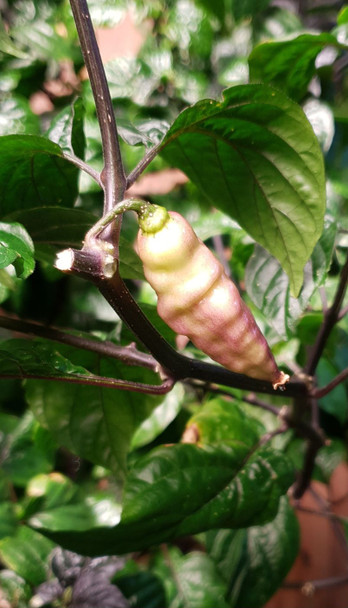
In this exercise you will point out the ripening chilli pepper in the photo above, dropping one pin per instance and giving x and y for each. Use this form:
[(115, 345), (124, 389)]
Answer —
[(196, 298)]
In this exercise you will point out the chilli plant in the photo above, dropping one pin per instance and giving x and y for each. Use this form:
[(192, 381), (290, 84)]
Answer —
[(156, 457)]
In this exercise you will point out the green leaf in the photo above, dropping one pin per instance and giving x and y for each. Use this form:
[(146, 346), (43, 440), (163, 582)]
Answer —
[(29, 166), (335, 402), (17, 117), (147, 132), (185, 489), (220, 422), (254, 561), (289, 64), (94, 422), (35, 28), (16, 247), (160, 418), (217, 8), (59, 504), (263, 167), (14, 590), (6, 44), (8, 520), (144, 590), (268, 286), (56, 226), (67, 131), (29, 451), (342, 17), (26, 554), (248, 8), (191, 580)]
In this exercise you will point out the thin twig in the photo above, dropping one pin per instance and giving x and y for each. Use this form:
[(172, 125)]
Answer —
[(324, 514), (343, 313), (335, 524), (308, 588), (330, 319), (95, 380), (141, 166), (128, 354), (318, 393), (269, 436), (75, 160), (113, 175)]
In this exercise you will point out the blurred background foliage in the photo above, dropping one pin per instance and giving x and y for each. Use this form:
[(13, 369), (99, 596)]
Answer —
[(186, 50)]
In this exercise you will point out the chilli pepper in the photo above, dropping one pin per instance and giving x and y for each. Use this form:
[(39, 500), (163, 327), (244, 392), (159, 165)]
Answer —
[(196, 298)]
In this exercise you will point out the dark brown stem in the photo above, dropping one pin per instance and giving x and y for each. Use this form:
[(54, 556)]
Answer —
[(315, 441), (128, 354), (330, 319), (321, 392), (218, 390), (113, 177)]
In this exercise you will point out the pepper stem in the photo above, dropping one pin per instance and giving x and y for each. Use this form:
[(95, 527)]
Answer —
[(128, 204)]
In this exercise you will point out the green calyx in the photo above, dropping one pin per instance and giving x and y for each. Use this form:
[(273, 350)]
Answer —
[(152, 218)]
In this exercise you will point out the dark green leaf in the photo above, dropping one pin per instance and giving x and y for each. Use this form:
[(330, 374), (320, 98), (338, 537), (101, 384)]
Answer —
[(254, 562), (268, 286), (144, 589), (29, 166), (16, 247), (8, 520), (217, 8), (248, 8), (26, 554), (94, 422), (29, 451), (290, 64), (160, 418), (186, 489), (67, 131), (35, 358), (55, 226), (194, 579), (327, 459), (336, 401), (262, 166)]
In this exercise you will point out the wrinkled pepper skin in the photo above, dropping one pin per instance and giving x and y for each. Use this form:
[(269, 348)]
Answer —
[(197, 299)]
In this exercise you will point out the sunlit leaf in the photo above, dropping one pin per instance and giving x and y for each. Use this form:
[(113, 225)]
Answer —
[(16, 247), (26, 553), (289, 64), (263, 167)]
